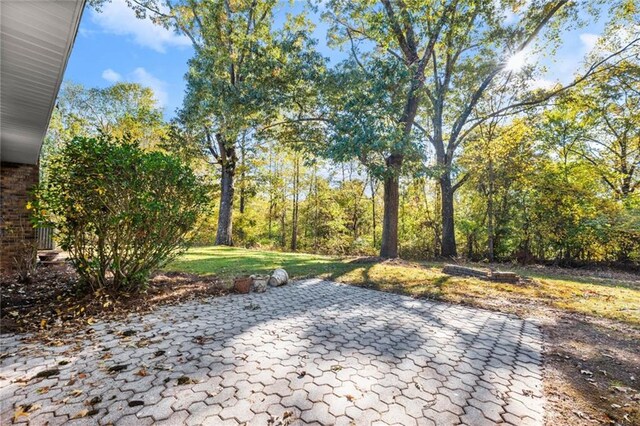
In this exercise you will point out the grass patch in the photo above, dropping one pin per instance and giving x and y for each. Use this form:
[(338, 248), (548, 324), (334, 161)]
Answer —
[(592, 295)]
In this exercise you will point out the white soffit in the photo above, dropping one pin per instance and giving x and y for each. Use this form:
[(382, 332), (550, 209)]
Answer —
[(36, 37)]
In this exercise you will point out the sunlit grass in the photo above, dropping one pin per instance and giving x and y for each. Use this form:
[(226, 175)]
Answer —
[(589, 295)]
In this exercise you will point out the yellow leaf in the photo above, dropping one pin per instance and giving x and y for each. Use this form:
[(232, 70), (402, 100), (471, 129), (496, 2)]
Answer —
[(80, 414), (19, 413), (91, 321), (24, 410), (43, 323)]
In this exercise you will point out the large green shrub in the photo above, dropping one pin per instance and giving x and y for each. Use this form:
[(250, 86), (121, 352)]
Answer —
[(120, 211)]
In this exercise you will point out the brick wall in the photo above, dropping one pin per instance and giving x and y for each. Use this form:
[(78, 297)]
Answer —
[(16, 180)]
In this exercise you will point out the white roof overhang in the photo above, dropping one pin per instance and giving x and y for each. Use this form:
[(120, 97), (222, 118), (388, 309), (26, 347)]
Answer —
[(36, 37)]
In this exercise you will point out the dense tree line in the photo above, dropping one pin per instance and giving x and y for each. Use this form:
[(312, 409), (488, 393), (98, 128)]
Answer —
[(430, 139)]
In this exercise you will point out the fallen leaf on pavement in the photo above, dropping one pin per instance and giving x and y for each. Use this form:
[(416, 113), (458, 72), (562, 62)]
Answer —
[(80, 414)]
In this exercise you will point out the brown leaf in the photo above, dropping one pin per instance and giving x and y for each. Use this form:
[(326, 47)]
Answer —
[(142, 372), (117, 368), (95, 400), (185, 380), (80, 414)]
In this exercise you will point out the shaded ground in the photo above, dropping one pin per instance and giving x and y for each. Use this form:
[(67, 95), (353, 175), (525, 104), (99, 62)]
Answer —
[(311, 352), (54, 304), (592, 371)]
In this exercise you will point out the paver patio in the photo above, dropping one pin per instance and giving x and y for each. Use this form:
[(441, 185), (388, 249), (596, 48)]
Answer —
[(312, 352)]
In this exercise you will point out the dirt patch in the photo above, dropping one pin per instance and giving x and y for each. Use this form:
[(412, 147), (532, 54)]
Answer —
[(591, 365), (614, 276), (592, 371), (53, 303), (386, 261)]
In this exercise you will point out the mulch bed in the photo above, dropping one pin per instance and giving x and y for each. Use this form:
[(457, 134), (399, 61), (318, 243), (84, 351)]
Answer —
[(53, 302)]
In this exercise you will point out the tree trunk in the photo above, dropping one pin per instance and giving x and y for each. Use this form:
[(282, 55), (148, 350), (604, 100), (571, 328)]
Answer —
[(448, 229), (294, 215), (271, 191), (490, 215), (316, 215), (243, 177), (283, 222), (373, 209), (223, 236), (389, 248)]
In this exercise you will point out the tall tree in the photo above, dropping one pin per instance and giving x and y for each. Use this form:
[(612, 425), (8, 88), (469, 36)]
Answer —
[(364, 126), (409, 39), (226, 83), (238, 79), (455, 54)]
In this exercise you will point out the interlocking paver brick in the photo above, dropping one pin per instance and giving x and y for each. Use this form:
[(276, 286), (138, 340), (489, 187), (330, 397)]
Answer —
[(316, 352), (320, 413), (491, 410), (239, 411), (160, 411), (475, 417)]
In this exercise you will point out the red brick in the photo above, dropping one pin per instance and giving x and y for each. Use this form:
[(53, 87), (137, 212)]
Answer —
[(16, 182)]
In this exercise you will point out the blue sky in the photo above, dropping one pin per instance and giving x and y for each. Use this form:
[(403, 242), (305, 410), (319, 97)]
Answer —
[(116, 46)]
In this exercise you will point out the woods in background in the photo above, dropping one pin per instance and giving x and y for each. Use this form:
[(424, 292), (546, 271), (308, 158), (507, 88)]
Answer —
[(434, 137)]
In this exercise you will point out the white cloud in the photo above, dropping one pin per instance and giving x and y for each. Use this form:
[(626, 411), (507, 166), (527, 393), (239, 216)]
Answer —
[(541, 83), (589, 40), (85, 32), (159, 87), (111, 76), (118, 18)]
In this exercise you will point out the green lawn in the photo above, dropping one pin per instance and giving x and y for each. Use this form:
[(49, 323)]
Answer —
[(600, 297)]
